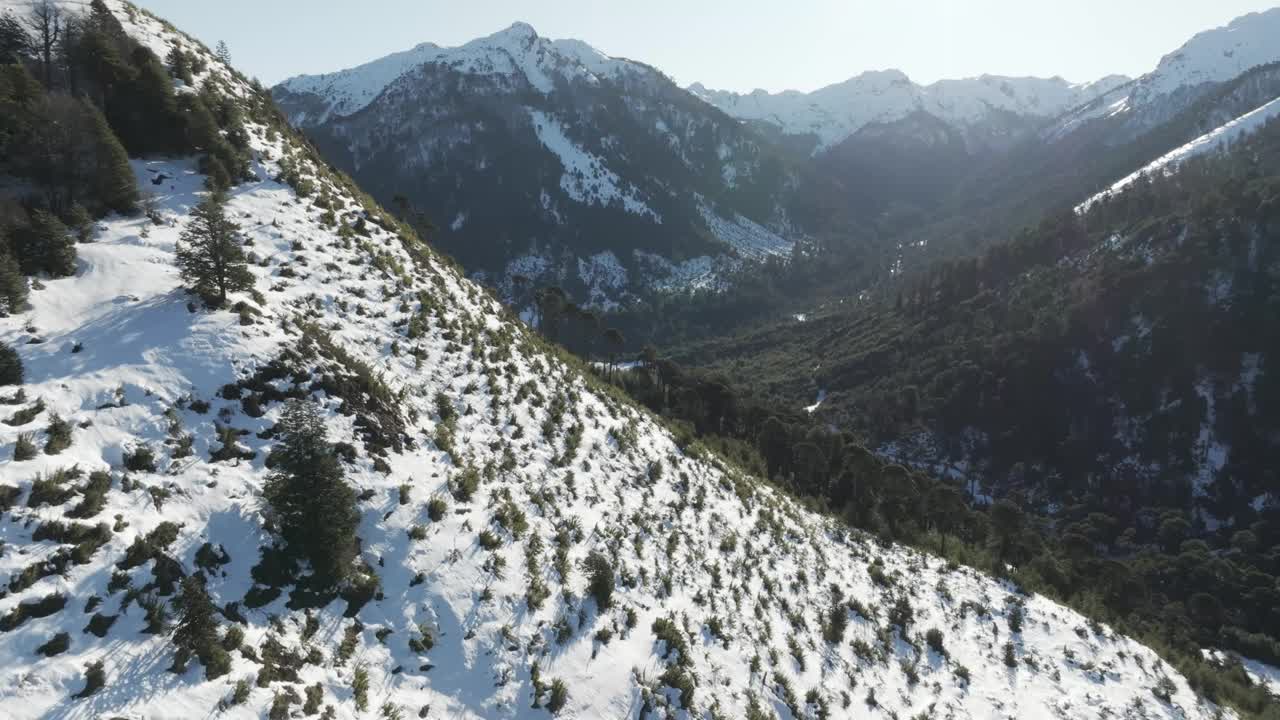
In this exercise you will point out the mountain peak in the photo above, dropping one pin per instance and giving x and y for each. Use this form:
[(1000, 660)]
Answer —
[(518, 31)]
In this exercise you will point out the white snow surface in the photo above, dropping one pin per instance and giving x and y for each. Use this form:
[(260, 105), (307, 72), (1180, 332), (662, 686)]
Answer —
[(740, 570), (835, 112), (515, 52), (752, 240), (1215, 140), (586, 179)]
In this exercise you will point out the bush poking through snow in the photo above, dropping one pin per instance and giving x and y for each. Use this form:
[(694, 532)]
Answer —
[(95, 677), (25, 447), (59, 432), (600, 580), (559, 696)]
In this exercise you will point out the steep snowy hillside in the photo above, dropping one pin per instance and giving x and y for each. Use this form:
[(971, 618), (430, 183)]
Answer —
[(835, 112), (558, 151), (1211, 57), (1216, 140), (530, 543)]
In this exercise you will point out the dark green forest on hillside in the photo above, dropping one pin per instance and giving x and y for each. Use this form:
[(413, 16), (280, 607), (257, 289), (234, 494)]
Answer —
[(1081, 373), (78, 97)]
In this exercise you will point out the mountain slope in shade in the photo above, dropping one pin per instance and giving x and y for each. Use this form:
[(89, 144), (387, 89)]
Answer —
[(835, 112), (723, 591), (538, 157)]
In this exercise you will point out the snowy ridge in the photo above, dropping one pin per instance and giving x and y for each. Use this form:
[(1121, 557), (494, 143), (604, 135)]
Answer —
[(1212, 56), (835, 112), (517, 52), (724, 587), (349, 91), (1216, 140)]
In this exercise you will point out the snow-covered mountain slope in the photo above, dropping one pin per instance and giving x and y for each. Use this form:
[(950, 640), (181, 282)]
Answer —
[(1216, 140), (557, 149), (1211, 57), (835, 112), (488, 469)]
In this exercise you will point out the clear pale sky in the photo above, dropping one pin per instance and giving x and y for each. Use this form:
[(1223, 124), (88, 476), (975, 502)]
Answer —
[(728, 44)]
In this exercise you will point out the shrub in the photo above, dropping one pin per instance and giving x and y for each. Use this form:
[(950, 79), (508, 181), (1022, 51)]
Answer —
[(140, 459), (59, 431), (934, 638), (57, 645), (25, 447), (1009, 658), (93, 495), (464, 484), (559, 696), (95, 677), (360, 688), (489, 541), (436, 509)]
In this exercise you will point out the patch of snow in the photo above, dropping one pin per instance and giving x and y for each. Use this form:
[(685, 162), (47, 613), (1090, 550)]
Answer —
[(751, 239), (822, 396), (586, 179)]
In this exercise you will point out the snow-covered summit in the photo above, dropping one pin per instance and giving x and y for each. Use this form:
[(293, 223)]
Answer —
[(517, 51), (835, 112), (1212, 56)]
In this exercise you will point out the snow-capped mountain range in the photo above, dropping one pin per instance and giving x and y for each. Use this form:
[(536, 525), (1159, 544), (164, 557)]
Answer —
[(835, 112), (568, 158), (1209, 58)]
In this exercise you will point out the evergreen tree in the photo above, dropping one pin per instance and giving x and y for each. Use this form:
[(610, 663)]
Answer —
[(13, 286), (114, 186), (179, 65), (46, 246), (223, 53), (14, 41), (313, 506), (10, 366), (196, 632), (210, 255)]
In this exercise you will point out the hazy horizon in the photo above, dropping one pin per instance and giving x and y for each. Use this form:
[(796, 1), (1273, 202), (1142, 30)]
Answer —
[(743, 46)]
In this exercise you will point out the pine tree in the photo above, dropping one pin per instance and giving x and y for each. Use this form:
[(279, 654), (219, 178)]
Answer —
[(14, 41), (223, 53), (114, 186), (13, 285), (46, 246), (10, 366), (179, 65), (312, 504), (210, 255), (197, 630)]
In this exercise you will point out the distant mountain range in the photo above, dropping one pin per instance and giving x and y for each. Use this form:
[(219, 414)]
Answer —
[(550, 161)]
